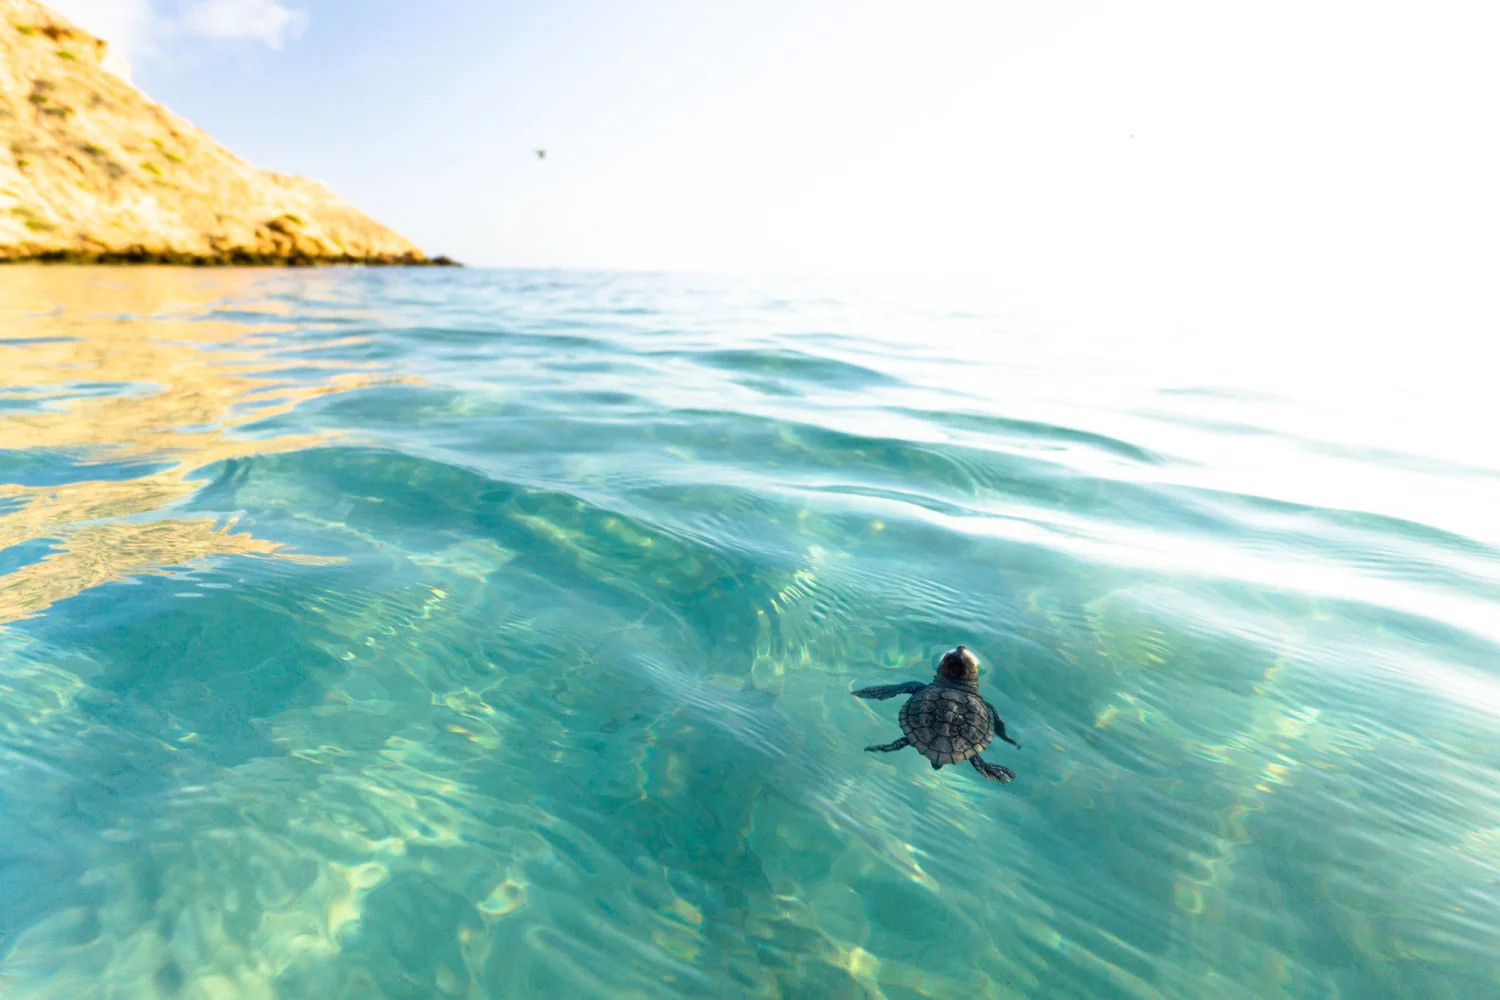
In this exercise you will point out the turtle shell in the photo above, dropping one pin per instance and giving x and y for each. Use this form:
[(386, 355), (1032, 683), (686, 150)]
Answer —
[(947, 724)]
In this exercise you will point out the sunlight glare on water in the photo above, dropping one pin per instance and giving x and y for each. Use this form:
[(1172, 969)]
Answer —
[(490, 634)]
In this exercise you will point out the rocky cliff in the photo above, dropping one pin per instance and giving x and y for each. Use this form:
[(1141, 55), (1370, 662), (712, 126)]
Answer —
[(92, 170)]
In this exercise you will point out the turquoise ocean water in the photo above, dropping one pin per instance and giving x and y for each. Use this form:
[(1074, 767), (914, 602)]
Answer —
[(474, 634)]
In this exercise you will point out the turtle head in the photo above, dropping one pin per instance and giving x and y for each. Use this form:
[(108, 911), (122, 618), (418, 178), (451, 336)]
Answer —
[(959, 665)]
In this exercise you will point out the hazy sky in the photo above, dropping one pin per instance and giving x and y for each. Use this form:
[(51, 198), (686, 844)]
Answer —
[(1290, 156)]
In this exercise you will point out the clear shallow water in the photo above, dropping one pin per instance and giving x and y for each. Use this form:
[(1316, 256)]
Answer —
[(414, 634)]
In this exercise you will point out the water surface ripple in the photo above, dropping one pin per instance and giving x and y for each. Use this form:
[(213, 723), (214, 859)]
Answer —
[(490, 635)]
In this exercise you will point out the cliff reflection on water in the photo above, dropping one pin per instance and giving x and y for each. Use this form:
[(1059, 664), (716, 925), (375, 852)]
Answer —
[(142, 406)]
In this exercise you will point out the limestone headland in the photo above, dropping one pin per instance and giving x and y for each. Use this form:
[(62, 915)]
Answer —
[(93, 171)]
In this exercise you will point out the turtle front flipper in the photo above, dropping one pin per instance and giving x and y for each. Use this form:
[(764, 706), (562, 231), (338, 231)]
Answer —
[(900, 744), (992, 771), (882, 691), (999, 725)]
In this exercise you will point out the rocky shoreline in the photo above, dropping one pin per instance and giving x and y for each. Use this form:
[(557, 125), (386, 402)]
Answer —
[(234, 258)]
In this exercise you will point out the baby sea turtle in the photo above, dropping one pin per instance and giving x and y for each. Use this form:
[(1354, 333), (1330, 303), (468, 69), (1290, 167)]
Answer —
[(946, 720)]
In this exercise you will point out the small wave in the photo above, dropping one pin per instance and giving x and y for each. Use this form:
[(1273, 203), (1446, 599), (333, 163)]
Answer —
[(794, 366), (1032, 431)]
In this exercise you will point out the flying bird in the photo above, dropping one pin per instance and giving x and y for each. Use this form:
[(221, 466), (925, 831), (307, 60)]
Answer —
[(541, 154)]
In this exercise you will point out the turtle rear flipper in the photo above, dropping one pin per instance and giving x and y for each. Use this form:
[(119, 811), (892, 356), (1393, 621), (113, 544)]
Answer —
[(900, 744), (992, 771)]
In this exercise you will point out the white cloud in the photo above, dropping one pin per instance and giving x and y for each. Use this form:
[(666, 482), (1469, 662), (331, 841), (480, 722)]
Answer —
[(129, 26), (135, 31), (261, 20)]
